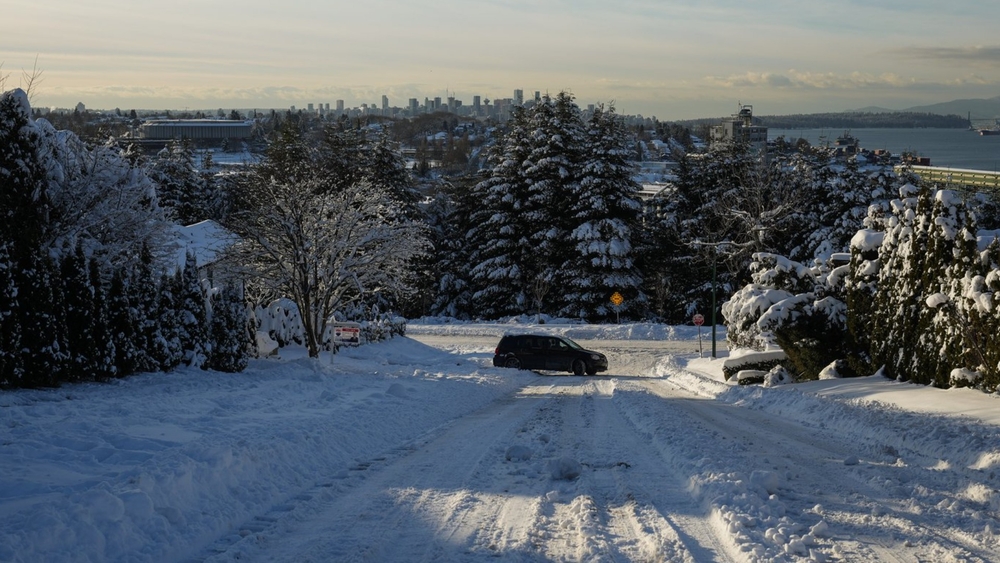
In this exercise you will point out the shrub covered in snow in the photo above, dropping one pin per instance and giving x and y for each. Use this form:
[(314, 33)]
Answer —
[(915, 303), (794, 306)]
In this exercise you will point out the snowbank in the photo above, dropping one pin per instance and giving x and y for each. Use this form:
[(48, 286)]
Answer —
[(151, 467)]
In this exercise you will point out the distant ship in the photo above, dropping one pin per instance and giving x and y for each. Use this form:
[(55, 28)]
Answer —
[(995, 130)]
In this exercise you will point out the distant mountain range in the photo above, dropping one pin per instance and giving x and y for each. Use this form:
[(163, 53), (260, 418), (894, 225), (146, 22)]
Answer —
[(976, 109)]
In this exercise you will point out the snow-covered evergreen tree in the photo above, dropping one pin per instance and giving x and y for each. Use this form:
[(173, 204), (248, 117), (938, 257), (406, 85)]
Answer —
[(229, 339), (11, 369), (842, 197), (860, 291), (386, 170), (500, 249), (695, 214), (604, 207), (901, 291), (797, 307), (103, 359), (979, 306), (450, 220), (167, 350), (540, 240), (180, 186), (43, 338), (143, 291), (193, 314), (78, 304), (123, 323), (950, 256)]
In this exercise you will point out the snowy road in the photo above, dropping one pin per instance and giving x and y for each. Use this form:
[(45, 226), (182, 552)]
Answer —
[(557, 472), (632, 466), (418, 449)]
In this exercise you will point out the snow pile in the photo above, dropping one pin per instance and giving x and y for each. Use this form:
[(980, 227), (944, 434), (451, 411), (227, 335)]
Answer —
[(955, 433)]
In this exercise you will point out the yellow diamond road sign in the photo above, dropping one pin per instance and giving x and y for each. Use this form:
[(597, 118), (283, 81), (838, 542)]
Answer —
[(616, 298)]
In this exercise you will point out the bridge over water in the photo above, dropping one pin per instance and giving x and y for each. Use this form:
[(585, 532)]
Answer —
[(974, 180)]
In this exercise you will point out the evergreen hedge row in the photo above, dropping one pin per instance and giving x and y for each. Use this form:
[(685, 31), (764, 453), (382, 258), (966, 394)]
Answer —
[(71, 319)]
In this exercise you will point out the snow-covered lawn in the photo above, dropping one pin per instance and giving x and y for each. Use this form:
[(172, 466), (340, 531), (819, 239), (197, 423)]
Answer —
[(260, 465)]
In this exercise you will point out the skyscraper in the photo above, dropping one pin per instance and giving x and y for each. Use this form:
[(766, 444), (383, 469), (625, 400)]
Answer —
[(518, 97)]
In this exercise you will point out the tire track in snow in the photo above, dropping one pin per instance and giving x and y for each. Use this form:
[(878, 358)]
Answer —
[(449, 497), (626, 505)]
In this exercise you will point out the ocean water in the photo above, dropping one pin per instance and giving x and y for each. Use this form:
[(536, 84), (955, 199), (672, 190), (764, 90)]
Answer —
[(950, 148)]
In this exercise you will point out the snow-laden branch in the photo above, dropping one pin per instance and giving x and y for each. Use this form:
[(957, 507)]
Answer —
[(324, 248)]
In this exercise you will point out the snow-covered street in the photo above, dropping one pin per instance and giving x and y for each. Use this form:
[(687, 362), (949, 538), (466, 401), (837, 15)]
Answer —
[(417, 449)]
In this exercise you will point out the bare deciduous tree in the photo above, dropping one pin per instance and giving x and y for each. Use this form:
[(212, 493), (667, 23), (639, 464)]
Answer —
[(29, 81), (323, 248)]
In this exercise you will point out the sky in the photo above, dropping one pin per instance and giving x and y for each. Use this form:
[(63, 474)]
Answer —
[(672, 59)]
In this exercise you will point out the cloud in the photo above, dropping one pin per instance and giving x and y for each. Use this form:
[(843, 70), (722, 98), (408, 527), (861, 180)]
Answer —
[(976, 55), (811, 80)]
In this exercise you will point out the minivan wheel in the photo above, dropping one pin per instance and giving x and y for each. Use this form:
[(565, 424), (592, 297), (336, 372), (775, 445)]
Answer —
[(579, 367), (513, 362)]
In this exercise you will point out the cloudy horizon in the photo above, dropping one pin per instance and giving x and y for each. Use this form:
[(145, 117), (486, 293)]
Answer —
[(673, 60)]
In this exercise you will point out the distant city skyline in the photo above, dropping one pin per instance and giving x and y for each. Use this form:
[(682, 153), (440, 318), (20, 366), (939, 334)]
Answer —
[(669, 59)]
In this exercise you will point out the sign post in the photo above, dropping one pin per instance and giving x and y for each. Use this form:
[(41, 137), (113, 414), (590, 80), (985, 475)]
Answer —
[(617, 300), (699, 320)]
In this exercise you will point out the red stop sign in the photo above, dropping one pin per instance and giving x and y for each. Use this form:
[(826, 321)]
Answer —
[(698, 320)]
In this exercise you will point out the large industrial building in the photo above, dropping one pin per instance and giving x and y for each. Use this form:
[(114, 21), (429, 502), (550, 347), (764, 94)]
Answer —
[(211, 130)]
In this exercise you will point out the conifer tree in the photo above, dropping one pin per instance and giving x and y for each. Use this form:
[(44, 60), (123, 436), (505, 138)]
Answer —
[(342, 153), (552, 167), (980, 294), (696, 213), (33, 359), (499, 239), (901, 292), (950, 256), (43, 352), (604, 206), (23, 180), (123, 324), (842, 198), (386, 170), (104, 355), (11, 368), (451, 222), (167, 350), (144, 297), (228, 331), (180, 187), (193, 314), (861, 288), (78, 304)]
